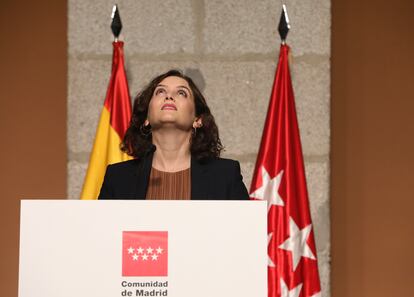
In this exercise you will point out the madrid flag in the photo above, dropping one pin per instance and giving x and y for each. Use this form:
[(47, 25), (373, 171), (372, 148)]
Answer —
[(115, 117), (279, 178)]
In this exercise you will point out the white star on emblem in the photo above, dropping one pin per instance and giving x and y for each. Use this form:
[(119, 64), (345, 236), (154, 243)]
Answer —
[(269, 260), (134, 257), (149, 250), (296, 243), (140, 250), (269, 190), (285, 292), (130, 250), (144, 257), (154, 257), (159, 250)]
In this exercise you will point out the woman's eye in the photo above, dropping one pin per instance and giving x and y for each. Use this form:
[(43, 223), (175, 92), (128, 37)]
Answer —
[(159, 91), (182, 93)]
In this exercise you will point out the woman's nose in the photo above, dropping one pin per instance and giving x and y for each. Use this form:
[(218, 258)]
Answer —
[(169, 97)]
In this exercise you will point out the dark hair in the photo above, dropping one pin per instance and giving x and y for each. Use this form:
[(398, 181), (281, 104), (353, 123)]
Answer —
[(205, 143)]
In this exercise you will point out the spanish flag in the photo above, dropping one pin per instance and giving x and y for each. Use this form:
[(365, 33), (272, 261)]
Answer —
[(115, 117)]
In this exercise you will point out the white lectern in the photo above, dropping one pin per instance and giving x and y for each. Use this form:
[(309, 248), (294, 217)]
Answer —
[(143, 248)]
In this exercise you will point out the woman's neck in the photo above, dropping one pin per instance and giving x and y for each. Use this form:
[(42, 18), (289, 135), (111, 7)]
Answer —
[(173, 150)]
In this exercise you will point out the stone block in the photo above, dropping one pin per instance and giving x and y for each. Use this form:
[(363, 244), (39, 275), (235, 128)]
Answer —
[(247, 169), (238, 95), (242, 26), (310, 31), (76, 176), (324, 266), (311, 86), (155, 26), (88, 83), (317, 178), (237, 27)]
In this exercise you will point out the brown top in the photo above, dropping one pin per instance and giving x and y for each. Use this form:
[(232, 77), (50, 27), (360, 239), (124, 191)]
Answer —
[(169, 185)]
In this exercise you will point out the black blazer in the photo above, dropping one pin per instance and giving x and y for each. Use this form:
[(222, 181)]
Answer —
[(215, 179)]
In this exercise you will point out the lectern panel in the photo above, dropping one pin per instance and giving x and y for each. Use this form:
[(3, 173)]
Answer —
[(143, 248)]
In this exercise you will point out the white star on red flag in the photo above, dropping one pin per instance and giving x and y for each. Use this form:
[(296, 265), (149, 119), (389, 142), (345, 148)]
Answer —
[(269, 189), (296, 243)]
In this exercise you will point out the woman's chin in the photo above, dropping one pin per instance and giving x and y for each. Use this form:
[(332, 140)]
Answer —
[(172, 124)]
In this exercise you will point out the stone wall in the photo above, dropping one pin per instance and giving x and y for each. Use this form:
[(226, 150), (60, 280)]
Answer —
[(231, 49)]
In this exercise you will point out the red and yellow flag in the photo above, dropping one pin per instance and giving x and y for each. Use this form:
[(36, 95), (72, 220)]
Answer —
[(113, 123)]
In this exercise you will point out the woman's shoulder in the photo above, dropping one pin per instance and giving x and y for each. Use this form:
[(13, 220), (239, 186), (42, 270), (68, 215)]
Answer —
[(225, 175), (123, 166), (220, 163)]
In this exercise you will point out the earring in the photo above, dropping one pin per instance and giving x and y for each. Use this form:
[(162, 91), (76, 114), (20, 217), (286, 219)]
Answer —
[(145, 130), (194, 131)]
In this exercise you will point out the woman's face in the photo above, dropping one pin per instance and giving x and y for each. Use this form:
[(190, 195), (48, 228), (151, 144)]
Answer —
[(172, 105)]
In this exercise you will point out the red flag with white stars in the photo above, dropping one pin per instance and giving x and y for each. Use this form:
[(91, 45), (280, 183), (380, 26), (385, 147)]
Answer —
[(144, 253), (279, 178)]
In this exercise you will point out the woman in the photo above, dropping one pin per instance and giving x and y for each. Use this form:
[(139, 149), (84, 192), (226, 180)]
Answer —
[(176, 147)]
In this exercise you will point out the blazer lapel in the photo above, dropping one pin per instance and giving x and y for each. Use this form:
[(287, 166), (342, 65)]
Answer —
[(142, 175), (197, 182)]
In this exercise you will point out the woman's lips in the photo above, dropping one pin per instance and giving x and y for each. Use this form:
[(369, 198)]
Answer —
[(168, 107)]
